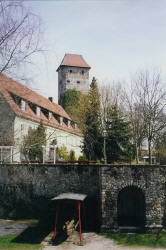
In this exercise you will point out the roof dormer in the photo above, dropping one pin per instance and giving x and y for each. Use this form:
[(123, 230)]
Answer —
[(61, 120), (38, 111), (50, 116), (23, 105)]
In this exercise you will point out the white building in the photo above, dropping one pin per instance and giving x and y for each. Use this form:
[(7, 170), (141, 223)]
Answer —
[(20, 108)]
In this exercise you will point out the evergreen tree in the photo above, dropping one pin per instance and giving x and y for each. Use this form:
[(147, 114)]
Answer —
[(119, 136), (69, 101), (92, 134), (75, 104), (72, 155), (32, 144)]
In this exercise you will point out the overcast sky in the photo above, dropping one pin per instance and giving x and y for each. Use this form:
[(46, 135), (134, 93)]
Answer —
[(116, 38)]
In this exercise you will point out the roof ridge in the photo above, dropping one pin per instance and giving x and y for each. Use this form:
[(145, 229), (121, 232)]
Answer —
[(73, 54)]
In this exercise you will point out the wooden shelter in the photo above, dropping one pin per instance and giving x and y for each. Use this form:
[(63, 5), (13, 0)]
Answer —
[(70, 227)]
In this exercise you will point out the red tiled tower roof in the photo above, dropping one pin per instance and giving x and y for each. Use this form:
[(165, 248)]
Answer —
[(74, 61)]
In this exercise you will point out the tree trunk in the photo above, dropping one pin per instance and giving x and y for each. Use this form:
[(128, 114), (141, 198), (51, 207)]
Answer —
[(150, 151), (136, 153)]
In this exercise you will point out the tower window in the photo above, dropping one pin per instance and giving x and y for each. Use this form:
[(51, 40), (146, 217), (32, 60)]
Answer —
[(70, 70), (78, 81), (68, 81)]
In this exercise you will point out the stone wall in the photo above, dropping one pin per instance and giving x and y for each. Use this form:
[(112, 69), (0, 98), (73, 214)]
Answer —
[(72, 78), (149, 180), (26, 192)]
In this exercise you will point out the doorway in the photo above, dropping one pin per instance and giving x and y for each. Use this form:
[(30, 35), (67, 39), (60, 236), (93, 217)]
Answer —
[(131, 207)]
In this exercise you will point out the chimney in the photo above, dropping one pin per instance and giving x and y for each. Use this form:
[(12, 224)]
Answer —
[(50, 98)]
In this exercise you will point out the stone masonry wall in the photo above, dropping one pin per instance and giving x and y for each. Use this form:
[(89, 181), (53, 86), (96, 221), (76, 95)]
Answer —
[(151, 180), (26, 191), (77, 79)]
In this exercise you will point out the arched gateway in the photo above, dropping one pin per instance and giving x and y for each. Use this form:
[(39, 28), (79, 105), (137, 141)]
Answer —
[(131, 207)]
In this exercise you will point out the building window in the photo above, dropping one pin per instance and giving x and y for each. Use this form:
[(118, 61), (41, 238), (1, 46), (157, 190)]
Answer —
[(23, 105), (50, 116), (78, 81), (70, 70), (38, 111), (82, 71), (68, 81), (61, 120)]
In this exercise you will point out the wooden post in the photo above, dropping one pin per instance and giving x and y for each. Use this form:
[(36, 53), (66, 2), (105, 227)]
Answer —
[(79, 216), (63, 211), (56, 219)]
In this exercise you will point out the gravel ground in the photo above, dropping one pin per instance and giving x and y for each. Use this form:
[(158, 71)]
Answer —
[(90, 241)]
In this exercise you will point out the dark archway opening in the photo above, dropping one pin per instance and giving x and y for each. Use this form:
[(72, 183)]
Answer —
[(131, 208)]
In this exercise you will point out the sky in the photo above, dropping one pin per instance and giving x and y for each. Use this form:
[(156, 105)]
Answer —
[(116, 38)]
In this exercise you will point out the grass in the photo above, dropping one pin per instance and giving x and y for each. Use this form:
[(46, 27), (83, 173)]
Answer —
[(6, 242), (32, 221), (139, 240)]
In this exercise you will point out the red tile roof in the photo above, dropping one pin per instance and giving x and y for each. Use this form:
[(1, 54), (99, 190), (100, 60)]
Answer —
[(9, 87), (74, 61)]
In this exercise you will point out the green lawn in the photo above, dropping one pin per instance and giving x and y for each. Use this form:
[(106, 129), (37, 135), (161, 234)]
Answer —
[(142, 240), (6, 242)]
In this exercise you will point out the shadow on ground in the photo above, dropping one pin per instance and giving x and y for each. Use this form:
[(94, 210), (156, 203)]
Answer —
[(59, 239), (35, 234)]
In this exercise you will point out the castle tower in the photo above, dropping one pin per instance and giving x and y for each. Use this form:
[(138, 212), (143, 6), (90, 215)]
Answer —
[(73, 72)]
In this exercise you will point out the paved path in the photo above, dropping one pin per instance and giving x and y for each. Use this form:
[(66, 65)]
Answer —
[(10, 227)]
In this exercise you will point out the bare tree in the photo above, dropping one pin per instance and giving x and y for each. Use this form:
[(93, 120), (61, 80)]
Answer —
[(114, 120), (20, 38), (134, 113), (110, 95), (150, 97)]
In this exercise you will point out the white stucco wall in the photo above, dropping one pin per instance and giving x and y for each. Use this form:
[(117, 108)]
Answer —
[(21, 125)]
